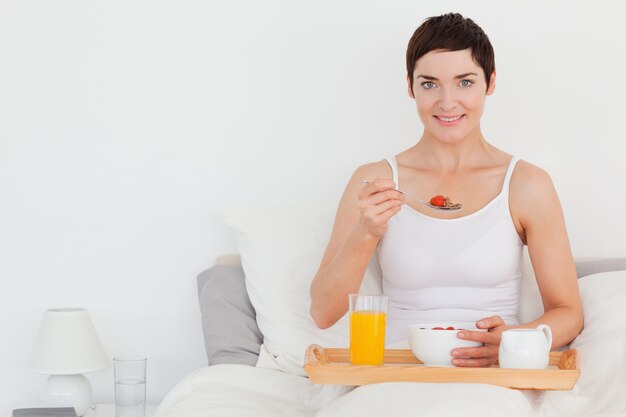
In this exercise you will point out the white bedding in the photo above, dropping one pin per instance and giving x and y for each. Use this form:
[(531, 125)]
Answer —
[(267, 391), (244, 391)]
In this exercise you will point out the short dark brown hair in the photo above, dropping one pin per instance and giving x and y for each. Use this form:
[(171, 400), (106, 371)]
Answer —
[(450, 32)]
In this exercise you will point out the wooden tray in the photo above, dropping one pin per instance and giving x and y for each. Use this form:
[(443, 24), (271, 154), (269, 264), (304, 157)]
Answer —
[(332, 366)]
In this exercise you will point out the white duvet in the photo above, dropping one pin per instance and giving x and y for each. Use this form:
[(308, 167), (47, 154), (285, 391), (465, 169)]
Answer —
[(245, 391)]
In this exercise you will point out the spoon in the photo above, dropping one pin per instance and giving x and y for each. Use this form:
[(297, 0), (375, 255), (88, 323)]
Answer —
[(426, 203)]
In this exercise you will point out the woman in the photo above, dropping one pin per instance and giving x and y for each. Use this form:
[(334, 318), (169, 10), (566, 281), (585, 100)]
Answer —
[(462, 265)]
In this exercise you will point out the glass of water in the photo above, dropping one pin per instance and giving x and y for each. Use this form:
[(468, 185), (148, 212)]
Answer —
[(130, 385)]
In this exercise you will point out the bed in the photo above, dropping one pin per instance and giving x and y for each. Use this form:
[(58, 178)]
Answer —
[(256, 326)]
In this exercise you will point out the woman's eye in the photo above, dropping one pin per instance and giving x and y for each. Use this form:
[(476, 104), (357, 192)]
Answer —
[(428, 85), (466, 83)]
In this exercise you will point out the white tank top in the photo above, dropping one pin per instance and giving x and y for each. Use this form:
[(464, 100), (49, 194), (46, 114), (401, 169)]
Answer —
[(456, 270)]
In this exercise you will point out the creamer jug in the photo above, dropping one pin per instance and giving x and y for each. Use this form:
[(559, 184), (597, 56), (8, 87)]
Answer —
[(525, 348)]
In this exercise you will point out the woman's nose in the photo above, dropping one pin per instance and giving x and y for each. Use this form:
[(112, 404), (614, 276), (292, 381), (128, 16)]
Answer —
[(447, 101)]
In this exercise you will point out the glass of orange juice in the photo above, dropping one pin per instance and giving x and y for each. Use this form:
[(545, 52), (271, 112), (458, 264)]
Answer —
[(368, 316)]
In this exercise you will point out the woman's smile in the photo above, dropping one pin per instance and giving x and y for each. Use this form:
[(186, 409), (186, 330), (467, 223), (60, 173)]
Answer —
[(449, 120)]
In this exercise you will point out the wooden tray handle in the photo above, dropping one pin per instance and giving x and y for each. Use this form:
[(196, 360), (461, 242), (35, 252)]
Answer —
[(315, 354), (568, 360)]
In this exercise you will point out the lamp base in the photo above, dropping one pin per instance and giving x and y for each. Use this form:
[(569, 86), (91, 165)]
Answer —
[(68, 391)]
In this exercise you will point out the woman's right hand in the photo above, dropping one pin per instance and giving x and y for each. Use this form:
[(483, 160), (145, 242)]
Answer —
[(378, 203)]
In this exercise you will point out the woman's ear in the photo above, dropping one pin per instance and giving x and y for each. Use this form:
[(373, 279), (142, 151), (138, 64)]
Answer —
[(492, 83), (408, 82)]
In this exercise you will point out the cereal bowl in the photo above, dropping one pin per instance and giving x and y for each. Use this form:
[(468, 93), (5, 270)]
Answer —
[(432, 343)]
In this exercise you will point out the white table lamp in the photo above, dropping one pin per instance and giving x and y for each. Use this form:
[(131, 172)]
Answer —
[(66, 347)]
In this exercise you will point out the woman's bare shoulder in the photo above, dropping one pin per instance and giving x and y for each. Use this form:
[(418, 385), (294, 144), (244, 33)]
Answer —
[(532, 192), (372, 170), (367, 172), (530, 180)]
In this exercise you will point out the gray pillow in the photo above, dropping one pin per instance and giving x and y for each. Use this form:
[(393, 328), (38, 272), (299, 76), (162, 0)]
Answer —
[(595, 266), (231, 334)]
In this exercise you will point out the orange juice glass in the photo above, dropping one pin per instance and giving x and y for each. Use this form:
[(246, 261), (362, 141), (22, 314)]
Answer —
[(368, 317)]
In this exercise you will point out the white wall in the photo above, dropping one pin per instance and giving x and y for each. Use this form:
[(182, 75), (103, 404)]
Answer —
[(126, 126)]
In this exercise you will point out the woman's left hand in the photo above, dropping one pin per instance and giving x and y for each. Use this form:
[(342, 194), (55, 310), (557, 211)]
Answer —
[(480, 356)]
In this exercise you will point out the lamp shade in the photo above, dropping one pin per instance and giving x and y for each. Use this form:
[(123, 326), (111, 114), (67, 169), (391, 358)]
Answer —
[(67, 344)]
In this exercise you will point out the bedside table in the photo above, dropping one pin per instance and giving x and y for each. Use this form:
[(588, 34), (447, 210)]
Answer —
[(101, 410), (108, 410)]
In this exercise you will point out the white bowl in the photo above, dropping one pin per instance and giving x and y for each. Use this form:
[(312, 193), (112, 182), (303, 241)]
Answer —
[(434, 347)]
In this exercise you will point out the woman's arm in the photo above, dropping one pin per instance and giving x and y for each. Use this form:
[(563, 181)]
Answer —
[(541, 217), (360, 222)]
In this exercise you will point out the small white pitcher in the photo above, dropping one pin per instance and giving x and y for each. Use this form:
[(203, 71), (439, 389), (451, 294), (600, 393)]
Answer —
[(525, 348)]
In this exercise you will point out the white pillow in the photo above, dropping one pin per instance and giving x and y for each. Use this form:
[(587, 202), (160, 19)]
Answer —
[(604, 306), (601, 350), (281, 249)]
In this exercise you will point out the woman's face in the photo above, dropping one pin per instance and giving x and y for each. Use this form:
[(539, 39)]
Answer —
[(449, 90)]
